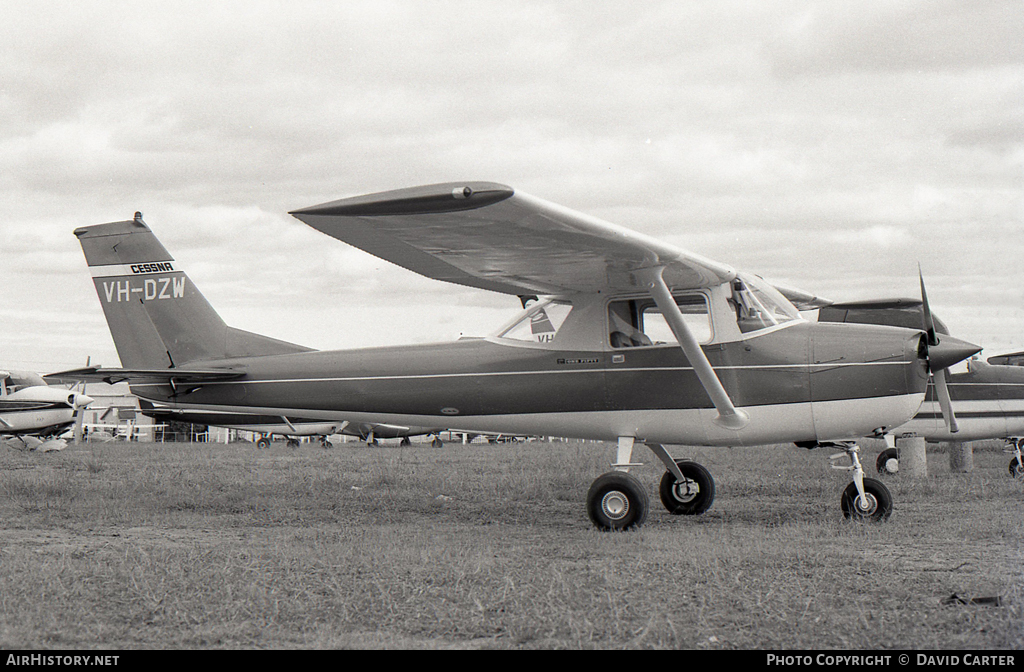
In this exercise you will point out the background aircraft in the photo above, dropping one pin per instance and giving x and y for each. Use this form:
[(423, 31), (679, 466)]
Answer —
[(986, 402), (1009, 359), (36, 413), (638, 342), (290, 428)]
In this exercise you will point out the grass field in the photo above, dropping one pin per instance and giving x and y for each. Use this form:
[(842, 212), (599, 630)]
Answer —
[(226, 546)]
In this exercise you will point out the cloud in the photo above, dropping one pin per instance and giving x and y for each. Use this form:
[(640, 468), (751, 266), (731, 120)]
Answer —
[(912, 35), (829, 145)]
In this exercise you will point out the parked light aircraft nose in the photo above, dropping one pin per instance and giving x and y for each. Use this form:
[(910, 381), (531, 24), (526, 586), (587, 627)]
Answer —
[(79, 400), (635, 340), (31, 410), (986, 402)]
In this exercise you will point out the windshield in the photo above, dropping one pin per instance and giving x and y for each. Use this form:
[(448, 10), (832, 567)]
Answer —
[(758, 305)]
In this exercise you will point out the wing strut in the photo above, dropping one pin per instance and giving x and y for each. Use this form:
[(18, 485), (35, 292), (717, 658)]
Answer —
[(729, 416)]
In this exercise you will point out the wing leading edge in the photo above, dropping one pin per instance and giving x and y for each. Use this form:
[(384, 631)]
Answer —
[(487, 235)]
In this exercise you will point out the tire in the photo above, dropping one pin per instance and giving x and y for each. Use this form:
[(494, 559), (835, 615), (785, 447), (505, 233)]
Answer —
[(691, 498), (888, 461), (617, 501), (879, 500), (263, 443), (1016, 469)]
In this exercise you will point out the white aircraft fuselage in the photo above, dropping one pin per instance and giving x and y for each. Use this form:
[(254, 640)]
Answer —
[(988, 401), (39, 410)]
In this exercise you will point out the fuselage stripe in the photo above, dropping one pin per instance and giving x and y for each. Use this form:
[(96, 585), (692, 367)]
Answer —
[(427, 376)]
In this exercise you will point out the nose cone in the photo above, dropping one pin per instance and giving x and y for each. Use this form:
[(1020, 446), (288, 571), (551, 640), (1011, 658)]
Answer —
[(82, 400), (949, 351)]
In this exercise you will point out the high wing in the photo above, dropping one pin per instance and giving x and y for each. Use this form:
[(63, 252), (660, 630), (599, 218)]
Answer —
[(172, 377), (489, 236)]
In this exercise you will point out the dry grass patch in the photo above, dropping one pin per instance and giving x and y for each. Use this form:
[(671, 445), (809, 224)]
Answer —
[(125, 545)]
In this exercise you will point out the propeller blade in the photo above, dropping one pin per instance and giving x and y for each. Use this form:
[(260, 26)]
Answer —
[(929, 323), (79, 418), (940, 357), (942, 391)]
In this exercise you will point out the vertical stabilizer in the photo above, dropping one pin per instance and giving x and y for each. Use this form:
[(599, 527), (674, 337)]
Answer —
[(157, 317)]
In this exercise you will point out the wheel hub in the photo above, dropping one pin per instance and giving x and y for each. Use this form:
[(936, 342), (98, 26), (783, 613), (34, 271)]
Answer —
[(615, 505), (686, 491), (867, 504)]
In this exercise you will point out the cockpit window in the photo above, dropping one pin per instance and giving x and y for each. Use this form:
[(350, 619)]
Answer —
[(540, 324), (758, 305), (639, 322)]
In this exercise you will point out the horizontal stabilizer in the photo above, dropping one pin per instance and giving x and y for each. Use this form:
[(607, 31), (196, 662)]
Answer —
[(173, 377)]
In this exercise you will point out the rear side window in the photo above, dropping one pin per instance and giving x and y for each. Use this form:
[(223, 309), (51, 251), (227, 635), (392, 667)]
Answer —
[(541, 324)]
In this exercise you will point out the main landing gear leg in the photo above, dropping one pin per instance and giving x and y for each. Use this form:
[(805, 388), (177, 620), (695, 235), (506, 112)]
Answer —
[(864, 498), (617, 501)]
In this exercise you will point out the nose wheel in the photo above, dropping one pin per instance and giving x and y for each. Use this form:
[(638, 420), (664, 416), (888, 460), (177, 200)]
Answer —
[(888, 461), (1017, 463), (874, 505), (864, 498)]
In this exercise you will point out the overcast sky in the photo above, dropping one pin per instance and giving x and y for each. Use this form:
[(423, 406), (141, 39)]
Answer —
[(829, 146)]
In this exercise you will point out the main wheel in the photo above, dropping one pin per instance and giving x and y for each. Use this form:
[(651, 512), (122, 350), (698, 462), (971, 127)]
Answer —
[(263, 442), (691, 497), (877, 504), (1016, 468), (617, 501), (437, 443), (888, 461)]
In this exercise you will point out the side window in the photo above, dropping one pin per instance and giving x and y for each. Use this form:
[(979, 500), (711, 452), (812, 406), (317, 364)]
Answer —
[(541, 324), (639, 322)]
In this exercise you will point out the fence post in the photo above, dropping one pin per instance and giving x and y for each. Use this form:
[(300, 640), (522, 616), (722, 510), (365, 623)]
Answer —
[(913, 456)]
